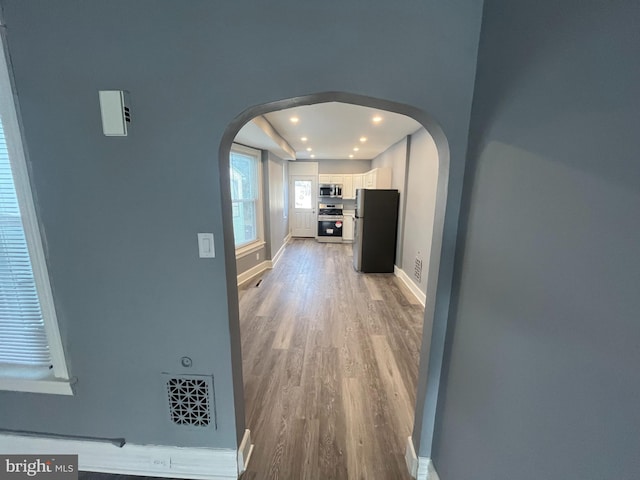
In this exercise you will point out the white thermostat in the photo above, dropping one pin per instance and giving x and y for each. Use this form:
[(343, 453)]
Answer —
[(114, 109)]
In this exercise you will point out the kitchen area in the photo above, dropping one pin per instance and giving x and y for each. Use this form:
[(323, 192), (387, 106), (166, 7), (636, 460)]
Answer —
[(315, 159), (343, 200), (337, 201)]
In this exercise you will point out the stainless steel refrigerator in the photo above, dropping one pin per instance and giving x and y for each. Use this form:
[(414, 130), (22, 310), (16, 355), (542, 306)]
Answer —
[(376, 225)]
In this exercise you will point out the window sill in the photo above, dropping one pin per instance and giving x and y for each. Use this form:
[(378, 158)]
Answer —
[(54, 386), (250, 248)]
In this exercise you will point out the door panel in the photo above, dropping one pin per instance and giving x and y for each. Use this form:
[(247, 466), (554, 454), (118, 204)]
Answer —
[(303, 205)]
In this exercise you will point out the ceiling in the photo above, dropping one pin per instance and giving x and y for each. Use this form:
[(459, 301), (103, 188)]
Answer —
[(333, 131)]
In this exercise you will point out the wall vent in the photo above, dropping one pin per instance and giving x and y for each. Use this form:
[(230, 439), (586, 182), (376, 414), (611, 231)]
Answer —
[(191, 400), (418, 270)]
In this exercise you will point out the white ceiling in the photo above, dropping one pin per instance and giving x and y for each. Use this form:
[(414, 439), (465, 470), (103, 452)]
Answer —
[(333, 130)]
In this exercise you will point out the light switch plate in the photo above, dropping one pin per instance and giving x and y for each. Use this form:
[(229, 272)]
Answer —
[(206, 247)]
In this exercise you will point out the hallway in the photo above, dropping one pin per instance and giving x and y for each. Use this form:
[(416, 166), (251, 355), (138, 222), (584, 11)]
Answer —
[(330, 361)]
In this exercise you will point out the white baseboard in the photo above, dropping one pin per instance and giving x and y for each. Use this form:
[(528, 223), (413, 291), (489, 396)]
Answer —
[(401, 274), (253, 271), (143, 460), (426, 470), (244, 451), (420, 468), (278, 255), (265, 265)]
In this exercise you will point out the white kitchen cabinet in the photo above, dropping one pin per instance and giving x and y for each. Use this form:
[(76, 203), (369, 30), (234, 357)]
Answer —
[(358, 182), (382, 177), (331, 178), (376, 178), (347, 187), (379, 178), (370, 179), (347, 225)]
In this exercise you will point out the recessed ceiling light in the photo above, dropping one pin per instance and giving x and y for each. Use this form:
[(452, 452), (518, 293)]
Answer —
[(294, 119), (308, 149), (351, 156), (377, 119), (313, 156), (304, 139), (355, 149), (363, 139)]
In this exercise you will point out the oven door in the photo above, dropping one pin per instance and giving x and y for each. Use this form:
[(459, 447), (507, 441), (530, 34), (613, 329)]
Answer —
[(329, 226)]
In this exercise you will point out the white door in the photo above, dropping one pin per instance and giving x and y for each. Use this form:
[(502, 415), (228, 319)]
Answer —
[(303, 206)]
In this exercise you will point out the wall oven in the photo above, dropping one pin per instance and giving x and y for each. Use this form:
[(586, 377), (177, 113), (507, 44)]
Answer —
[(333, 190), (330, 221)]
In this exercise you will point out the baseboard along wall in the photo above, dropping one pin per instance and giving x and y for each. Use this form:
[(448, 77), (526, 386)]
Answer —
[(141, 460), (420, 468), (402, 275), (265, 265)]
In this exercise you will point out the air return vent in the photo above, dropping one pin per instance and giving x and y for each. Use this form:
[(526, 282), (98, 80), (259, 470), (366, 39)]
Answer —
[(191, 400)]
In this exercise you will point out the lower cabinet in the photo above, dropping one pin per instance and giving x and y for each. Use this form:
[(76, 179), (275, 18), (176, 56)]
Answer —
[(347, 225)]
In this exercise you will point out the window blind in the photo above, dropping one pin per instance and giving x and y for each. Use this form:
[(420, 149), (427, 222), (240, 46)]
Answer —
[(24, 350)]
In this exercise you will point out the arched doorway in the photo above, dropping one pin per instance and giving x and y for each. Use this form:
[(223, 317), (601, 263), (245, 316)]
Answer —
[(435, 251)]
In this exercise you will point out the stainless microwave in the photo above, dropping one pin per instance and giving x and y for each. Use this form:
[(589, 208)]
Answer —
[(333, 190)]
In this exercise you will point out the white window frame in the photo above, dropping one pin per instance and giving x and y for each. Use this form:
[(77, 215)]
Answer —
[(253, 245), (59, 381)]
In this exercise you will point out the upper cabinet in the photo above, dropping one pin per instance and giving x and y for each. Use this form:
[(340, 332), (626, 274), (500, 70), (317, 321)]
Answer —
[(347, 187), (358, 182), (377, 178), (330, 178)]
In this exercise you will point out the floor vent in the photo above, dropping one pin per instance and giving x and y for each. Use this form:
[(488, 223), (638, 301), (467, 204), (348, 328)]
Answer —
[(191, 400)]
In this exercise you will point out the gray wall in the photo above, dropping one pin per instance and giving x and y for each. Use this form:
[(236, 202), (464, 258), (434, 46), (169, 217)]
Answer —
[(278, 211), (344, 166), (127, 311), (542, 365), (250, 260), (395, 158), (415, 175), (422, 180)]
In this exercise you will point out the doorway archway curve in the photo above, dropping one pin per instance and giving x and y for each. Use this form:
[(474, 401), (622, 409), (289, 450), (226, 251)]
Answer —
[(442, 146)]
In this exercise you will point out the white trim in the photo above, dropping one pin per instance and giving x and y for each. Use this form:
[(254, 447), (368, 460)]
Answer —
[(426, 469), (253, 271), (252, 247), (265, 265), (410, 458), (422, 297), (46, 385), (18, 161), (144, 460), (276, 258), (244, 451)]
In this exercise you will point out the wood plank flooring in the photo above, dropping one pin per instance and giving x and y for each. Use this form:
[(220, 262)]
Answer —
[(330, 360)]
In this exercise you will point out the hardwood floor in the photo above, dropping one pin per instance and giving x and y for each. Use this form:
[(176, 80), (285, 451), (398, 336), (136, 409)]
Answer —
[(330, 360)]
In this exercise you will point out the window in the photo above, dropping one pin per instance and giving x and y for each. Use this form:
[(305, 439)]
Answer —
[(31, 356), (246, 201), (303, 196)]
